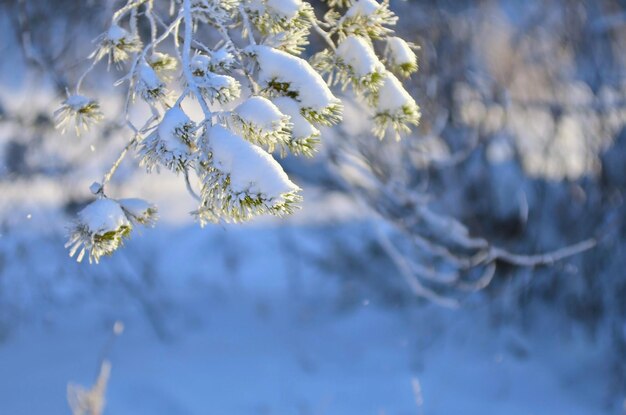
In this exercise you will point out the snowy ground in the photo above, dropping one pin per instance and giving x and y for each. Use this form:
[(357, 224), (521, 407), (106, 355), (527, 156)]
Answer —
[(246, 353), (255, 320)]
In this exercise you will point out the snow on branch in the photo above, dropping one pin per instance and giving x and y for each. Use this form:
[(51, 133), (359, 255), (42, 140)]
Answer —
[(258, 97)]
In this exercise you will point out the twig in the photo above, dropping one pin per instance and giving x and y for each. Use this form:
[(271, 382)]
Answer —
[(540, 259), (186, 59), (407, 273), (322, 33), (189, 187)]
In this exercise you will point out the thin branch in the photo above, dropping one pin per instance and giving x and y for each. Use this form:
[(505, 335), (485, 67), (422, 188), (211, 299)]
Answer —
[(540, 259), (108, 175), (407, 273), (190, 188), (187, 57), (322, 33), (246, 24), (131, 5), (239, 56)]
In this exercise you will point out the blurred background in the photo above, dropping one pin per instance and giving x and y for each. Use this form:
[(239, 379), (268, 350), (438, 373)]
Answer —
[(370, 299)]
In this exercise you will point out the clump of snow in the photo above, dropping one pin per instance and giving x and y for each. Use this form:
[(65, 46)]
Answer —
[(223, 88), (77, 102), (261, 113), (116, 33), (78, 110), (392, 95), (200, 63), (102, 216), (400, 52), (360, 56), (363, 8), (285, 8), (171, 144), (148, 76), (251, 169), (218, 81), (222, 57), (301, 127), (169, 130), (276, 65), (148, 85), (162, 61)]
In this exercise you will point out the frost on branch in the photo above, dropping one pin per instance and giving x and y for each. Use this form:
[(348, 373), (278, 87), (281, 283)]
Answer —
[(79, 111), (117, 44), (149, 86), (240, 63)]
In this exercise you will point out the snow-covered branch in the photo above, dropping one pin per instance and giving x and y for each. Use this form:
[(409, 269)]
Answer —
[(257, 94)]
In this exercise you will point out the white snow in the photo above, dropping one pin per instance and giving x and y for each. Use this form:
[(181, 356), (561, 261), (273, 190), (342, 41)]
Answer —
[(218, 81), (200, 62), (251, 168), (301, 127), (363, 8), (212, 81), (260, 112), (157, 57), (360, 56), (116, 33), (283, 67), (77, 102), (174, 118), (392, 95), (255, 6), (103, 215), (148, 77), (244, 341), (285, 8), (400, 51), (222, 56)]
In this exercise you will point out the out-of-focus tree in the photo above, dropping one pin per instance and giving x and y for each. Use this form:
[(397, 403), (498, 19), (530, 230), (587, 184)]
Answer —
[(522, 141)]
